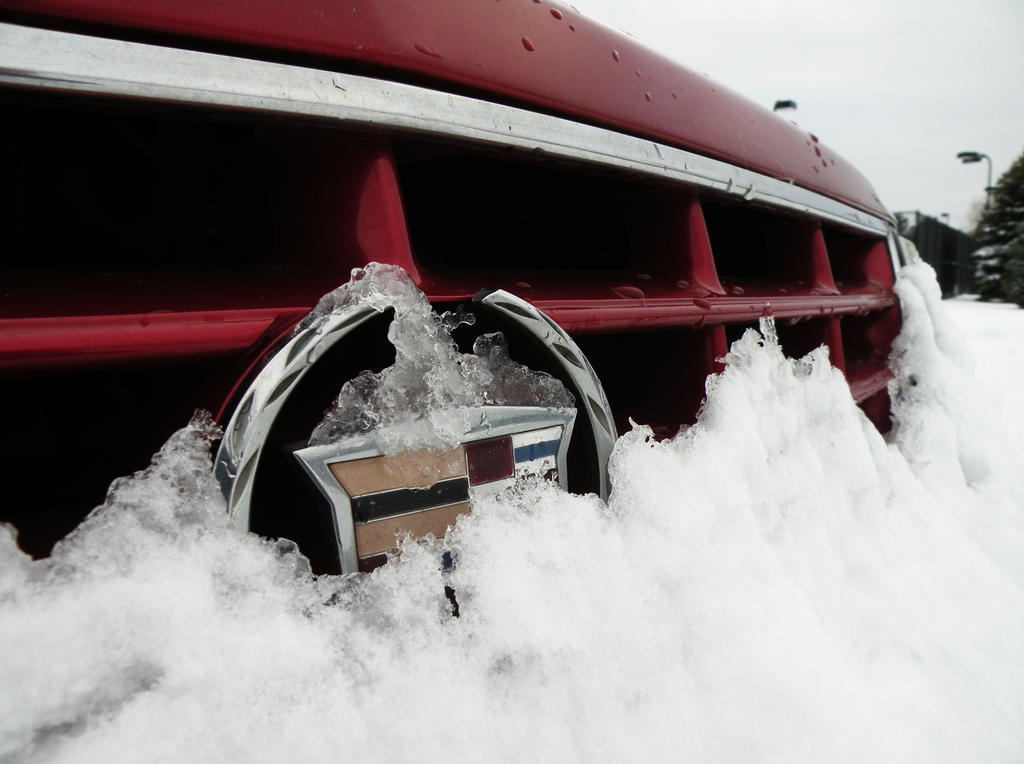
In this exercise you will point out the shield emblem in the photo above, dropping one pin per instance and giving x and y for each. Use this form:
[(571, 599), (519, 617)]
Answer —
[(376, 498)]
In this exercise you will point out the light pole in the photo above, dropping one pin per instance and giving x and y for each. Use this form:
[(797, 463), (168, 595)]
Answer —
[(970, 157)]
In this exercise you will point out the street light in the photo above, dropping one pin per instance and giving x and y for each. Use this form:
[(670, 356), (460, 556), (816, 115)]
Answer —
[(970, 157), (784, 105)]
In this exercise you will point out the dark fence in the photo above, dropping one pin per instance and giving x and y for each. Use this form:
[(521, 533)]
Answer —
[(946, 249)]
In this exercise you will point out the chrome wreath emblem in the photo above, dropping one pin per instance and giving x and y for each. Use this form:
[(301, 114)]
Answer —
[(409, 449)]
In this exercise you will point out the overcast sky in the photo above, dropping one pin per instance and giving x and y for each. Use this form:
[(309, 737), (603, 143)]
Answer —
[(898, 87)]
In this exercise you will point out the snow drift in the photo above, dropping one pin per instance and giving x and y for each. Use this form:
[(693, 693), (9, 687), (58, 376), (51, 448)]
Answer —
[(777, 583)]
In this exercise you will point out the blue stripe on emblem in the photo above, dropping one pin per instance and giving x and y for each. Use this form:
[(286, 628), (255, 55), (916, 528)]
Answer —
[(536, 451)]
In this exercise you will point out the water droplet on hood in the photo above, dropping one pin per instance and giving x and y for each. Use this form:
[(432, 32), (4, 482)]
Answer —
[(629, 292), (427, 50)]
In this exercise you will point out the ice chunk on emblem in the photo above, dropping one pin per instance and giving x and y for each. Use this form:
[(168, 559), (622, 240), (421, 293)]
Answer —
[(376, 497)]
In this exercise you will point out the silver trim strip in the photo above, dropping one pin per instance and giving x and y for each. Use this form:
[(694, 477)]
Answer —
[(45, 59), (895, 253)]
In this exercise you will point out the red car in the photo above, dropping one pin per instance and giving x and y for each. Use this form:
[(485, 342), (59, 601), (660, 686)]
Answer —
[(184, 180)]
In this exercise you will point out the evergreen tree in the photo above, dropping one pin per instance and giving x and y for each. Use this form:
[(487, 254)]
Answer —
[(988, 272), (1013, 270), (1001, 232)]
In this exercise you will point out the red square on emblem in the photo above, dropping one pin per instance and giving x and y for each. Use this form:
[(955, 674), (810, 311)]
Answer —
[(490, 460)]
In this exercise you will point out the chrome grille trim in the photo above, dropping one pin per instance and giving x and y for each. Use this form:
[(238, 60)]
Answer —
[(59, 61)]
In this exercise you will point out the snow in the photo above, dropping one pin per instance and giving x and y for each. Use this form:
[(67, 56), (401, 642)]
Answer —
[(778, 583), (412, 404), (998, 352)]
